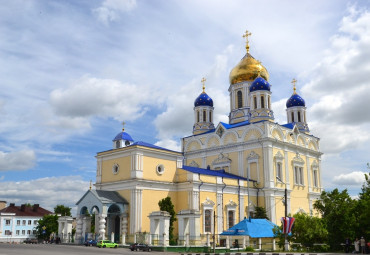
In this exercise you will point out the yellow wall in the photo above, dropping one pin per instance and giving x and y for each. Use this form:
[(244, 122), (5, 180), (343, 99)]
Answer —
[(150, 169), (124, 172)]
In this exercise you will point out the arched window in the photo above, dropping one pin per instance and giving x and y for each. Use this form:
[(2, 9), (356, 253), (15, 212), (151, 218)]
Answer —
[(118, 144), (210, 116), (255, 102), (240, 99), (204, 116), (198, 119), (299, 116), (207, 221), (231, 218), (292, 116), (262, 102)]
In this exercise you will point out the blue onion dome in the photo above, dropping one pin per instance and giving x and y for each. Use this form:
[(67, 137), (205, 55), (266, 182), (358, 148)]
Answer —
[(295, 100), (123, 136), (203, 99), (259, 84)]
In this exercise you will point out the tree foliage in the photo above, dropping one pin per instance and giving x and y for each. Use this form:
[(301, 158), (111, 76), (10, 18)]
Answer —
[(49, 223), (260, 213), (62, 210), (337, 210), (362, 211), (166, 205)]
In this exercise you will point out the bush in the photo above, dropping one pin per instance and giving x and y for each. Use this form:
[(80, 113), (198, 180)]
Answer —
[(248, 248)]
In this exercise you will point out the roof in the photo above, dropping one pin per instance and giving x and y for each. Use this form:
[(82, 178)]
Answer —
[(203, 99), (144, 144), (24, 210), (289, 125), (219, 173), (295, 100), (228, 126), (105, 197), (255, 228), (123, 136), (259, 84)]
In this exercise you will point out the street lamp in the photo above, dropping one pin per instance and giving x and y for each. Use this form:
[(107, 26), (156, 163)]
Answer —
[(286, 212)]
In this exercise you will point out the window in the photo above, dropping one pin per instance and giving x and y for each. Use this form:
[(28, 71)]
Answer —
[(8, 233), (278, 170), (292, 116), (115, 168), (240, 99), (160, 169), (18, 222), (315, 179), (231, 218), (118, 144), (34, 232), (17, 232), (210, 116), (207, 221), (262, 102), (35, 222), (29, 222), (198, 119), (255, 102), (23, 232), (299, 116), (28, 232), (23, 222), (298, 175), (7, 222), (204, 116)]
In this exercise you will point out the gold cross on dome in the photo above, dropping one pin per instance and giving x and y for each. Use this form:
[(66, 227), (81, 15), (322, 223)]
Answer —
[(123, 126), (294, 81), (203, 81), (246, 35)]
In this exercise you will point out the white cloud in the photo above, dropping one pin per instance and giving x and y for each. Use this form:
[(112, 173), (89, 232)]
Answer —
[(169, 144), (356, 178), (98, 97), (48, 192), (18, 160), (110, 10)]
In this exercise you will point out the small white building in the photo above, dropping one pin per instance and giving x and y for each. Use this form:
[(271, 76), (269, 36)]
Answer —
[(19, 222)]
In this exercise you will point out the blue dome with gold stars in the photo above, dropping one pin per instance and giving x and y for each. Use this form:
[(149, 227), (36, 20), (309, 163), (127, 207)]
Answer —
[(295, 100), (203, 99), (259, 84)]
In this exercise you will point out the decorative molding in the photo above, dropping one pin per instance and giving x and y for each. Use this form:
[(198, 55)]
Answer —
[(253, 156), (298, 160), (279, 156), (194, 164), (208, 203), (222, 159)]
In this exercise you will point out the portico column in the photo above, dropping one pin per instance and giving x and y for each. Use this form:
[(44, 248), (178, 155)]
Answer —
[(102, 226)]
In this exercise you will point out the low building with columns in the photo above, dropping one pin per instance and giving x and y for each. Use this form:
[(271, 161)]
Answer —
[(221, 175)]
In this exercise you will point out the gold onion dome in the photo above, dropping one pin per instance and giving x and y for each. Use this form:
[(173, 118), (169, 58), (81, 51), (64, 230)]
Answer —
[(247, 70)]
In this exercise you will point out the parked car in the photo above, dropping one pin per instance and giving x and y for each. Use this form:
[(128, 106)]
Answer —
[(106, 243), (29, 240), (90, 242), (140, 247)]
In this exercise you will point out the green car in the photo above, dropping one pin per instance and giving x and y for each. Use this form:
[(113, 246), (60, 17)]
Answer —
[(106, 243)]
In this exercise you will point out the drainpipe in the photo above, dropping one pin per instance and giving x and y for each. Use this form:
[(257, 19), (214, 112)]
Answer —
[(222, 204), (239, 199), (201, 183)]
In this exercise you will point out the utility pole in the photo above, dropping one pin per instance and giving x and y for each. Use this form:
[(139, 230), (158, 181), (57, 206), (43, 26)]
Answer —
[(286, 212), (214, 230)]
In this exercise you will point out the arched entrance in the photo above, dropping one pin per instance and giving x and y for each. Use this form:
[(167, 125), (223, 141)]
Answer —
[(114, 222)]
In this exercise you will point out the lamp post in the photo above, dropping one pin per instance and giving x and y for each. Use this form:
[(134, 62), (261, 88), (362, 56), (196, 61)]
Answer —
[(286, 211)]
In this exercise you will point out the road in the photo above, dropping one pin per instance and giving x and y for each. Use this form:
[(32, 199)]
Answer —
[(48, 249)]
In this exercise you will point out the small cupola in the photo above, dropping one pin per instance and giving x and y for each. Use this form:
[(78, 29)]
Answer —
[(296, 110), (122, 139), (203, 112)]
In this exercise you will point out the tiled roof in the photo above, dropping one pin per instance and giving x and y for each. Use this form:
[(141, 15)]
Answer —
[(219, 173), (24, 210)]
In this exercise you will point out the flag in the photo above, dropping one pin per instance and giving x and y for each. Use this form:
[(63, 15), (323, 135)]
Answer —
[(287, 224)]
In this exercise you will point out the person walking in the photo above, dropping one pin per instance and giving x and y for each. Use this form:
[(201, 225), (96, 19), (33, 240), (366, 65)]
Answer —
[(347, 243), (363, 245), (357, 246)]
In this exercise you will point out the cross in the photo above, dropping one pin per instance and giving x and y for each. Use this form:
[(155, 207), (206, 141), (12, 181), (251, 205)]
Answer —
[(123, 126), (203, 81), (294, 81), (246, 35)]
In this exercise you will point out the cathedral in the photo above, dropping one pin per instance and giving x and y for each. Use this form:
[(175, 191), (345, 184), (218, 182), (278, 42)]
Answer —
[(222, 174)]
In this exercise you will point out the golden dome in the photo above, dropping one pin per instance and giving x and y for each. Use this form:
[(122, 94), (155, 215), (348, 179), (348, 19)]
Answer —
[(247, 70)]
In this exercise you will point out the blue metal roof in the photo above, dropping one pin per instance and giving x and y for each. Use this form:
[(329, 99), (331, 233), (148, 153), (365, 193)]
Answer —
[(123, 136), (255, 228), (228, 126), (219, 173), (144, 144), (259, 84), (289, 125), (203, 99), (295, 100)]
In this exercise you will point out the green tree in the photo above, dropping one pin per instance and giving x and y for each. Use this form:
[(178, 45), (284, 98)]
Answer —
[(363, 209), (166, 205), (260, 213), (62, 210), (49, 223), (338, 213)]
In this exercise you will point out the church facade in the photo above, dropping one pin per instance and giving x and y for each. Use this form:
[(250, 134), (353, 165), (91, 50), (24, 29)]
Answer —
[(222, 174)]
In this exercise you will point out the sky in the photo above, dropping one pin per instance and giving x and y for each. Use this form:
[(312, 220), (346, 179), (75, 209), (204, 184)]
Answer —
[(72, 71)]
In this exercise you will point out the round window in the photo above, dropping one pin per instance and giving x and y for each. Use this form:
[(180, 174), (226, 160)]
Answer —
[(160, 169), (115, 169)]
